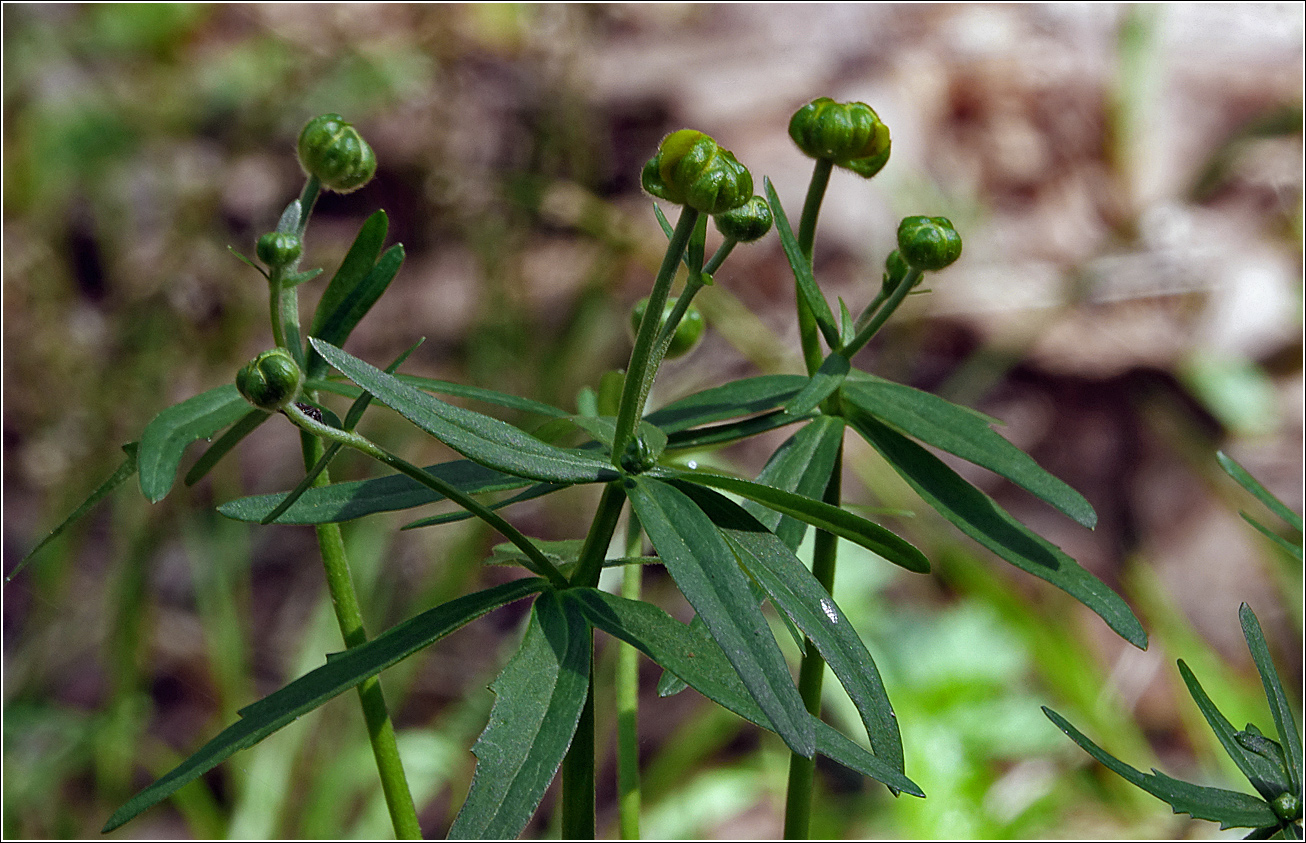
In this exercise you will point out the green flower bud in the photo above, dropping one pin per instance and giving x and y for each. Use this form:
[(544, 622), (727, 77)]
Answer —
[(336, 153), (691, 169), (928, 242), (1287, 807), (895, 270), (270, 381), (750, 221), (848, 133), (688, 332), (278, 249), (638, 456)]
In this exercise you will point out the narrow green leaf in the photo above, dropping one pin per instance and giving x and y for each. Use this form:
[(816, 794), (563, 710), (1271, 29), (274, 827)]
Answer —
[(356, 498), (223, 446), (732, 400), (722, 434), (1268, 779), (801, 465), (708, 574), (354, 269), (341, 672), (1229, 808), (121, 475), (959, 431), (978, 516), (1262, 494), (829, 377), (832, 519), (539, 490), (341, 322), (847, 325), (440, 387), (802, 269), (797, 593), (1285, 721), (486, 440), (701, 663), (168, 434), (538, 700), (1293, 549)]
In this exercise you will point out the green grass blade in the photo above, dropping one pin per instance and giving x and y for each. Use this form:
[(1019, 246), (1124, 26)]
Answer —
[(802, 270), (797, 593), (959, 431), (486, 440), (832, 519), (701, 663), (1285, 720), (708, 574), (1262, 494), (165, 438), (538, 700), (341, 672), (801, 465), (119, 476), (1229, 808), (354, 499), (978, 516), (223, 446), (1268, 778), (728, 401), (829, 377)]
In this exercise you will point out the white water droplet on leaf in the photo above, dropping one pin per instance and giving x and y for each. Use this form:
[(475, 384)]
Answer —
[(827, 606)]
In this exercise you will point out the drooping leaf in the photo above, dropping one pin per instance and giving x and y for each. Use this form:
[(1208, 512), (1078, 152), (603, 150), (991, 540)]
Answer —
[(797, 593), (354, 499), (825, 380), (1285, 721), (802, 465), (701, 663), (978, 516), (961, 432), (121, 475), (832, 519), (538, 701), (341, 672), (1229, 808), (483, 439), (802, 269), (233, 437), (708, 574), (1268, 778), (168, 434), (728, 401)]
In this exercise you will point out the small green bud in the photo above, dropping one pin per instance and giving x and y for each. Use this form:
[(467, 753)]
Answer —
[(848, 133), (691, 169), (270, 381), (1287, 806), (895, 270), (638, 457), (278, 249), (336, 153), (928, 242), (750, 221), (688, 332)]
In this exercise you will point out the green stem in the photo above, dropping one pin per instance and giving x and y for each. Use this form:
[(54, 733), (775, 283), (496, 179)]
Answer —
[(628, 793), (811, 673), (590, 563), (882, 315), (719, 257), (349, 615), (808, 333), (578, 771), (640, 372)]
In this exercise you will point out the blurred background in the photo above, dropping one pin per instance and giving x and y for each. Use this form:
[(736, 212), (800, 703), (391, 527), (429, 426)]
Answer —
[(1128, 180)]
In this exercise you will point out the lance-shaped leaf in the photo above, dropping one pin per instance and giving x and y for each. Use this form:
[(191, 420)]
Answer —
[(722, 434), (802, 465), (346, 284), (351, 310), (1268, 778), (168, 434), (1285, 720), (728, 401), (825, 380), (961, 432), (978, 516), (233, 437), (538, 490), (1229, 808), (797, 593), (483, 439), (442, 387), (1262, 494), (537, 704), (831, 519), (701, 663), (341, 672), (802, 269), (705, 569), (356, 498)]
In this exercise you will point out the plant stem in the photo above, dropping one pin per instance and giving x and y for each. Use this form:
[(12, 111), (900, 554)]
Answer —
[(811, 673), (882, 315), (628, 794), (578, 771), (807, 330), (640, 371), (380, 730)]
